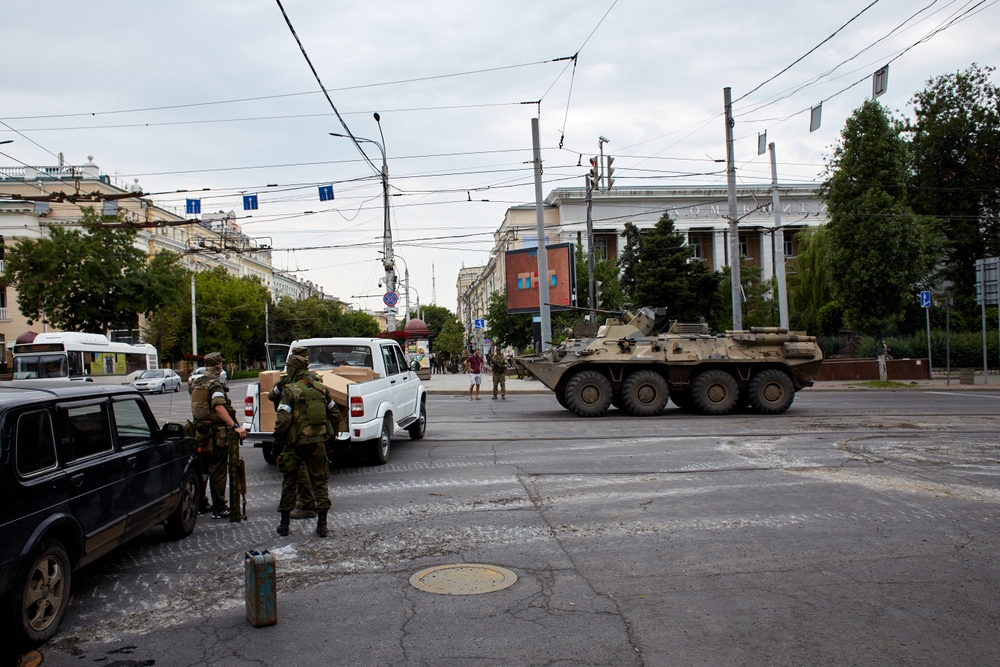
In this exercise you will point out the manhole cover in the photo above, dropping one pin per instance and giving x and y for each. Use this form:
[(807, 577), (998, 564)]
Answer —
[(463, 579)]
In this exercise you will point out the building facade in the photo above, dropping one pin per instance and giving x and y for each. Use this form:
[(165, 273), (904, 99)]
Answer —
[(700, 213)]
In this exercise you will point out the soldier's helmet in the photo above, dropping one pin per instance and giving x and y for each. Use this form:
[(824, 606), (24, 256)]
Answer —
[(213, 359), (300, 351)]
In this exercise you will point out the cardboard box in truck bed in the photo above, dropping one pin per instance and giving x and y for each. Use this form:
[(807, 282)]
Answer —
[(336, 380)]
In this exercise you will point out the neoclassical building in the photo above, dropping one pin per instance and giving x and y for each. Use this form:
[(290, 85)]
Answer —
[(700, 213)]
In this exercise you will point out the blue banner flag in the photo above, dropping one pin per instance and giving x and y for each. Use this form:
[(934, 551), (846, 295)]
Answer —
[(326, 193), (249, 202), (192, 206)]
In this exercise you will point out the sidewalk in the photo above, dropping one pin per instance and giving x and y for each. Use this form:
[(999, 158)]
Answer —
[(455, 385)]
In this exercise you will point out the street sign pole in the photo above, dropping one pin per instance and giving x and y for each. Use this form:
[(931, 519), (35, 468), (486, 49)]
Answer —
[(925, 301), (982, 305)]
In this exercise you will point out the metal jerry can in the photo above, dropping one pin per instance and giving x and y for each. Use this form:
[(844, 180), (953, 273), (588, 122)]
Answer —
[(261, 588)]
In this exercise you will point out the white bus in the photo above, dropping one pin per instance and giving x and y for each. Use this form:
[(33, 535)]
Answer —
[(81, 356)]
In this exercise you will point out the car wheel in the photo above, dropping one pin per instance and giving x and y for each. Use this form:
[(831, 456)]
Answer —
[(270, 455), (645, 393), (771, 391), (588, 394), (177, 387), (181, 523), (419, 427), (163, 388), (380, 446), (40, 594), (715, 392)]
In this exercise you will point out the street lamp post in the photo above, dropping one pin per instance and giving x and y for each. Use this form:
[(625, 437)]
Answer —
[(388, 261)]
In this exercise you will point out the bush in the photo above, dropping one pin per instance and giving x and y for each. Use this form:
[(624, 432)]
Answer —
[(242, 375)]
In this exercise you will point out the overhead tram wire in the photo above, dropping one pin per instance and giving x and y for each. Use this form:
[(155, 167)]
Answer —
[(807, 53)]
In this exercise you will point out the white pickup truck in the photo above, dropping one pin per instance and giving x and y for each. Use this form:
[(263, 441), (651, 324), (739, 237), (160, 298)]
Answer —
[(379, 408)]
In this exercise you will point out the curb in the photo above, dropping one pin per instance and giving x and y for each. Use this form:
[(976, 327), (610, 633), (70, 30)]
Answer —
[(975, 388)]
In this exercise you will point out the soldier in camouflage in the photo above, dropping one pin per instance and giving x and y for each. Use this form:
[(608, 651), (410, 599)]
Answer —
[(306, 419), (215, 419), (498, 364), (305, 505)]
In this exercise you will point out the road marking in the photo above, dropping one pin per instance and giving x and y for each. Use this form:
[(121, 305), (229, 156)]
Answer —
[(952, 393)]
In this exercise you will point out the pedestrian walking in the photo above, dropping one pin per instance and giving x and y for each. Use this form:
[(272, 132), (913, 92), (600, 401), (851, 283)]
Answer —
[(306, 419), (498, 364), (216, 430), (305, 504), (474, 364)]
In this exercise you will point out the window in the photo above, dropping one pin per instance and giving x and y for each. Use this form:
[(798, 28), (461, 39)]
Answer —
[(331, 356), (35, 447), (695, 242), (87, 431), (40, 366), (131, 424), (76, 367), (744, 246), (404, 365), (789, 239), (600, 248), (151, 374), (391, 365)]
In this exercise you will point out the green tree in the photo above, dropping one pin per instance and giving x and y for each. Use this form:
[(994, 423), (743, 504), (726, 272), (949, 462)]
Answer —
[(664, 275), (230, 312), (435, 317), (90, 279), (605, 272), (295, 319), (877, 249), (808, 281), (505, 329), (629, 259), (450, 340), (760, 309), (360, 324), (955, 143)]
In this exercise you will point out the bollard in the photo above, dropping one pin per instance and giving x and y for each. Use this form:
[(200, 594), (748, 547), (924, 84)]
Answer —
[(261, 588)]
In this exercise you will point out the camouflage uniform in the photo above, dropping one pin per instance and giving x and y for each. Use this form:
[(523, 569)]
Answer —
[(305, 506), (498, 364), (212, 432), (306, 419)]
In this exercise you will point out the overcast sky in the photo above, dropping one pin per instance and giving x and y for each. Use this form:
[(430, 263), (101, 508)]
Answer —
[(84, 79)]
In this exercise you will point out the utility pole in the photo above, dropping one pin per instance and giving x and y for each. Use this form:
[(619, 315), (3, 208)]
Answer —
[(267, 321), (406, 298), (543, 260), (779, 242), (434, 288), (194, 321), (734, 230), (590, 250), (388, 261)]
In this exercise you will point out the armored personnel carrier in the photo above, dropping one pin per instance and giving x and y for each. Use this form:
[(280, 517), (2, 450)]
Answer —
[(629, 364)]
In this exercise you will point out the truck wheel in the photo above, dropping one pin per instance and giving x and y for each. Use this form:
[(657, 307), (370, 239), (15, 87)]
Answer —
[(180, 524), (588, 394), (40, 595), (682, 399), (644, 393), (771, 391), (417, 428), (715, 392), (270, 455), (380, 447)]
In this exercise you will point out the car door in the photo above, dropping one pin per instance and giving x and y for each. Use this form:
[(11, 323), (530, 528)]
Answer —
[(95, 469), (149, 460), (410, 381), (392, 374)]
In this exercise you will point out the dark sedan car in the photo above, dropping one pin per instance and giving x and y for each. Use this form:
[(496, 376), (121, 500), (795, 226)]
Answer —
[(83, 469)]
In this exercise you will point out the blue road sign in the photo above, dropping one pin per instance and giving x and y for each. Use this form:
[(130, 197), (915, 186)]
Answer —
[(326, 193), (249, 202), (192, 206), (390, 299), (925, 299), (480, 324)]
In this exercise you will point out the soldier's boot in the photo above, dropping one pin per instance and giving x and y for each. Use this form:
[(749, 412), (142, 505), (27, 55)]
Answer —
[(321, 528), (283, 526)]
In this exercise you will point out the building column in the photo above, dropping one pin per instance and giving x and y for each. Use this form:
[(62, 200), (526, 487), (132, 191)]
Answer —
[(718, 250), (766, 254)]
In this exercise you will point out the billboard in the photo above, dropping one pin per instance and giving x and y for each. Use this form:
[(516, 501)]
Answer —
[(522, 278)]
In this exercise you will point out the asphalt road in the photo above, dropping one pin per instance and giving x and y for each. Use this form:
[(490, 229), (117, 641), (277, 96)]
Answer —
[(859, 528)]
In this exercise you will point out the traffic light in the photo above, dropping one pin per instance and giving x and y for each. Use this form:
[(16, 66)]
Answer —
[(610, 181), (598, 294), (593, 178)]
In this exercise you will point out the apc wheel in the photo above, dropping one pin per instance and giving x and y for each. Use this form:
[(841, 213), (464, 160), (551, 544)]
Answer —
[(771, 392), (645, 393), (380, 447), (419, 427), (682, 399), (561, 399), (715, 392), (40, 594), (588, 394), (181, 523), (269, 452)]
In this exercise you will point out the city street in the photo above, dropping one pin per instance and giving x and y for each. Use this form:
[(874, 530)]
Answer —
[(859, 528)]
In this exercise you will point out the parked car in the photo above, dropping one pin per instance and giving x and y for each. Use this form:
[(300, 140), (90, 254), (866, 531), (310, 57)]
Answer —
[(198, 372), (159, 380), (83, 469), (385, 395)]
